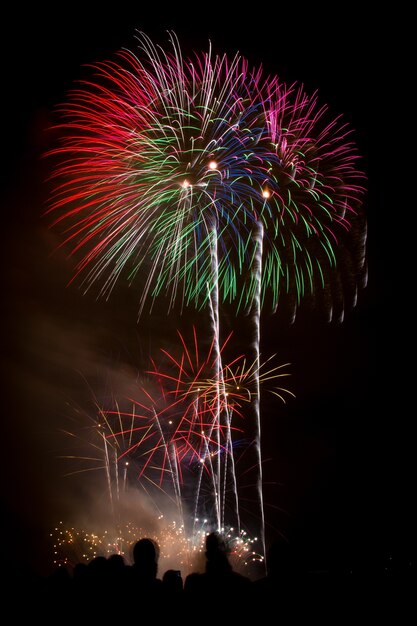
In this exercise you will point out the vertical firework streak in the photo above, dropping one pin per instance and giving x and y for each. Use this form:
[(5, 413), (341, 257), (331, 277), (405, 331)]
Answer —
[(233, 467), (257, 271), (116, 472), (223, 409), (223, 414), (170, 454), (176, 477), (107, 465), (214, 307), (206, 415)]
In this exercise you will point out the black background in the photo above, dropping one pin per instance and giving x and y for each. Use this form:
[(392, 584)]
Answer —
[(341, 455)]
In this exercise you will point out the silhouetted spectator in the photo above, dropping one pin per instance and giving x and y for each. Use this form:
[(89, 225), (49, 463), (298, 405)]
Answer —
[(98, 571), (219, 577), (145, 567), (80, 576), (172, 582), (116, 565), (117, 573)]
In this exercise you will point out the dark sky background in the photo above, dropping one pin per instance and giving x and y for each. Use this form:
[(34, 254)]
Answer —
[(340, 455)]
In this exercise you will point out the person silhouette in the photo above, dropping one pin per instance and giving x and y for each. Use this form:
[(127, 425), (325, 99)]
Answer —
[(219, 575), (172, 582), (145, 567)]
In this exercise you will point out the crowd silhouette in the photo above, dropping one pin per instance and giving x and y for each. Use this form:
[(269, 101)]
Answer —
[(107, 589)]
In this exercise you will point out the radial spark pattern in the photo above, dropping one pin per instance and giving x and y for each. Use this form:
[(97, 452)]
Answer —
[(162, 155), (183, 416)]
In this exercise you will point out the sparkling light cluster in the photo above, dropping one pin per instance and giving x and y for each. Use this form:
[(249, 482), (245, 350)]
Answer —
[(72, 545)]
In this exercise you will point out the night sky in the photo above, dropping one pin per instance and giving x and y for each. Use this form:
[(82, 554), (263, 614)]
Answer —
[(340, 456)]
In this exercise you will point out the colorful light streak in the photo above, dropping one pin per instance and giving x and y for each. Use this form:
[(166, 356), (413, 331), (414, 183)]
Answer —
[(158, 151)]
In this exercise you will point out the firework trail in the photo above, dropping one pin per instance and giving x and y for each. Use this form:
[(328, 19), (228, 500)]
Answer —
[(257, 268), (209, 183)]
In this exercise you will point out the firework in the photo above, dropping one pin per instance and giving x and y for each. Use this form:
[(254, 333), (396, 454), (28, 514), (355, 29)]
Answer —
[(207, 182), (178, 436), (164, 159)]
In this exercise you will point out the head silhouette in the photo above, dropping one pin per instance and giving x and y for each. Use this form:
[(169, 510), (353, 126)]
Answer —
[(115, 563), (172, 581), (145, 557), (216, 554)]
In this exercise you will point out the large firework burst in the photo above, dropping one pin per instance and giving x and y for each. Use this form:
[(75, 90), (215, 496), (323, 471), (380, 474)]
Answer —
[(165, 159)]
